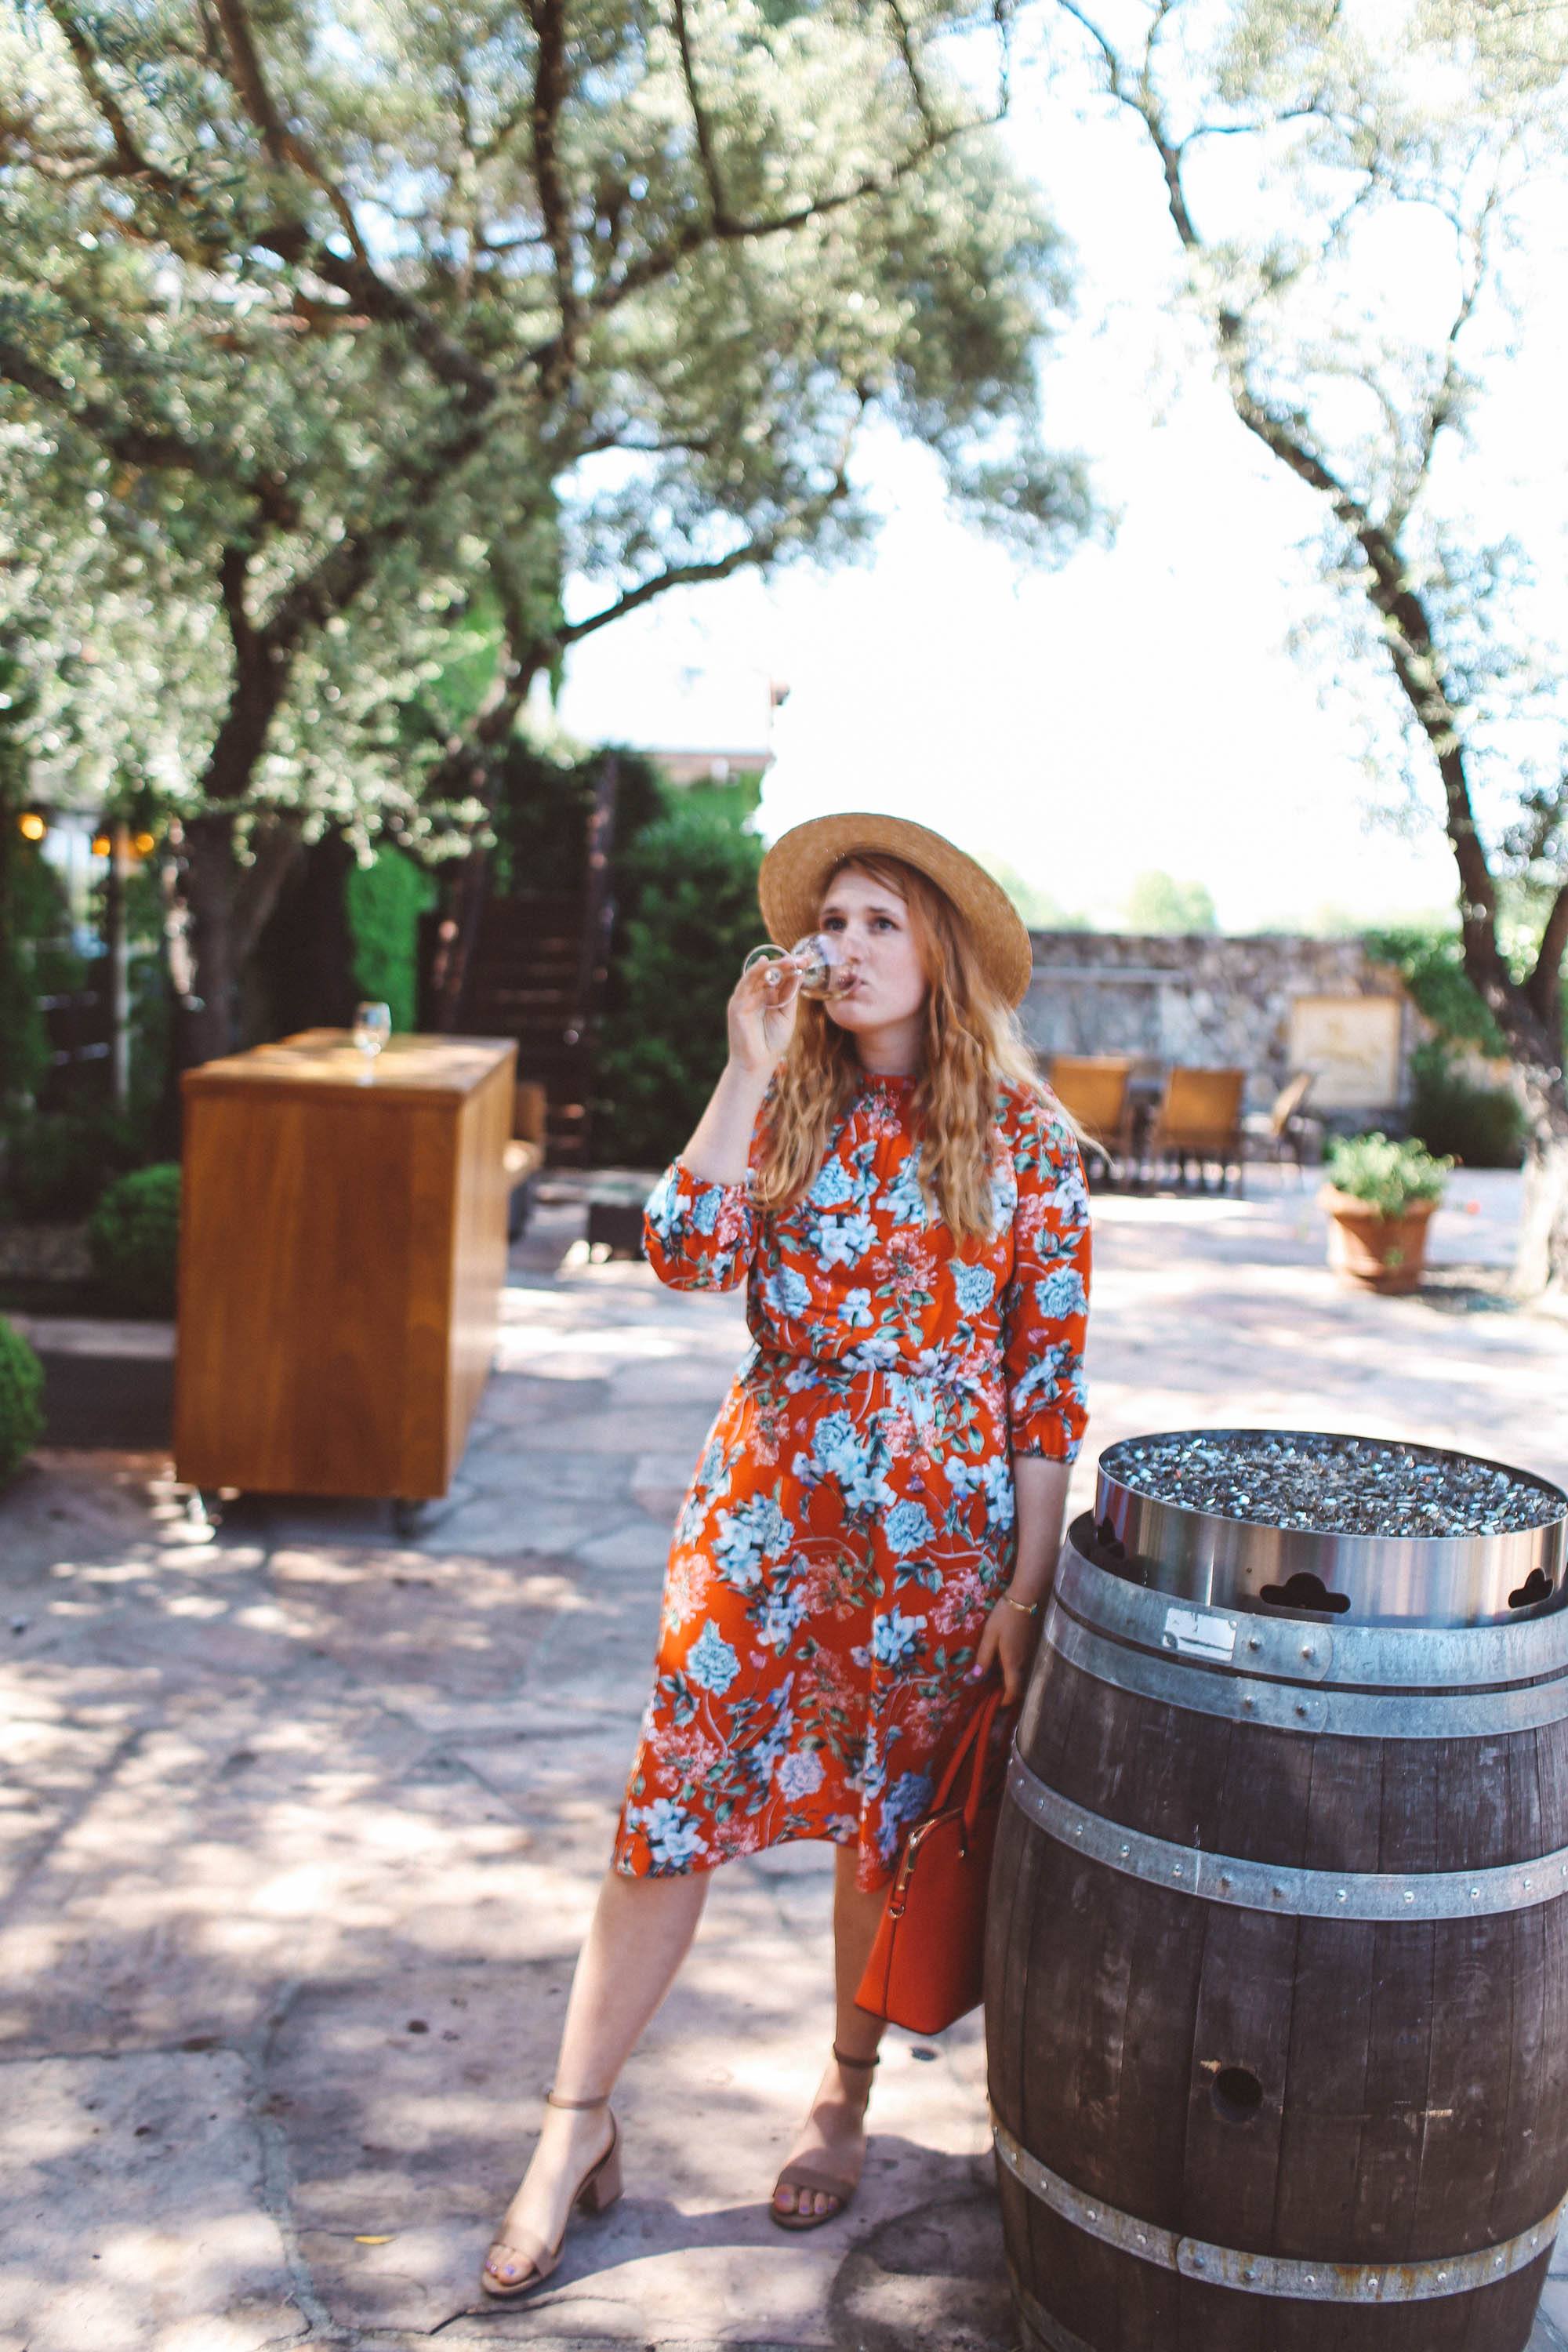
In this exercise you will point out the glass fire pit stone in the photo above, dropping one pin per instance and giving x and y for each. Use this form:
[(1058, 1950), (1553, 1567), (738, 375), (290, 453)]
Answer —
[(1310, 1522)]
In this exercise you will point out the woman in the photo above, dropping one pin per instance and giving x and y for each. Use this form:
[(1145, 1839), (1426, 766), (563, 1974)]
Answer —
[(876, 1517)]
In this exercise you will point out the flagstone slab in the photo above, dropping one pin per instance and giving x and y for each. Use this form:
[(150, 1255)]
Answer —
[(133, 2215)]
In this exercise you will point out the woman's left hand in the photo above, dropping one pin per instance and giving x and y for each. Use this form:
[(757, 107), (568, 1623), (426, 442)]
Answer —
[(1009, 1641)]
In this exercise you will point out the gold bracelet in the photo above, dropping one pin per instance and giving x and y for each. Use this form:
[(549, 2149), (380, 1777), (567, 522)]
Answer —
[(1027, 1607)]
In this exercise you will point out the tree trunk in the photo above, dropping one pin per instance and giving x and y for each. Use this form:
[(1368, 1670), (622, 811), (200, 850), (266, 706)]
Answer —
[(1542, 1260), (1531, 1024), (206, 987), (304, 956), (218, 909)]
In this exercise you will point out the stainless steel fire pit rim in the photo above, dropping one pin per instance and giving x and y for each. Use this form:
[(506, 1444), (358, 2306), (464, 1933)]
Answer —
[(1532, 1647), (1333, 1437), (1463, 1579)]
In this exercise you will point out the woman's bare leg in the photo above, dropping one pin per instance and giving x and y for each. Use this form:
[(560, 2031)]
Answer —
[(834, 2131), (642, 1930)]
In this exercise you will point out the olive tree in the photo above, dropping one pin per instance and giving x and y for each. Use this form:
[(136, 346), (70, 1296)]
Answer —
[(320, 329), (1349, 184)]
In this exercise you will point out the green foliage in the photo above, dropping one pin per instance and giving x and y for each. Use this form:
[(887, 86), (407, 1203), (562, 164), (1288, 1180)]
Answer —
[(1038, 909), (1478, 1127), (134, 1239), (1158, 902), (1429, 958), (57, 1162), (25, 900), (359, 364), (687, 915), (385, 901), (24, 1046), (1385, 1175), (544, 811), (21, 1395)]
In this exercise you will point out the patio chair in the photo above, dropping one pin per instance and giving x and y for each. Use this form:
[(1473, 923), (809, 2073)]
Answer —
[(1198, 1120), (1093, 1087), (1283, 1132)]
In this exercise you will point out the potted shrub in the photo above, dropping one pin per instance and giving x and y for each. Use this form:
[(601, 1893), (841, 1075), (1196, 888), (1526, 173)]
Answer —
[(1379, 1196)]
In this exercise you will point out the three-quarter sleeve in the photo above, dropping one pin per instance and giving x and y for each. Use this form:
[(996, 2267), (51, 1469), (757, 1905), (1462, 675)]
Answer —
[(699, 1236), (1045, 1308)]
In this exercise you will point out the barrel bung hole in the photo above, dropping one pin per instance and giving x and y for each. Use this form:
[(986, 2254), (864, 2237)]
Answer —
[(1238, 2094)]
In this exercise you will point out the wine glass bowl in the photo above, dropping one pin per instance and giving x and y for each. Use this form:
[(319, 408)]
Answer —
[(372, 1028), (818, 958)]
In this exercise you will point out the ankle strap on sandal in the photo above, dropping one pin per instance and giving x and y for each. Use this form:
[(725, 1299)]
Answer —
[(552, 2101), (854, 2062)]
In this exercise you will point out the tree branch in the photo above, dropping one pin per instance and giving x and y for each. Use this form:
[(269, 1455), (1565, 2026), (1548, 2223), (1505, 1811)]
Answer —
[(550, 93), (660, 261), (760, 549), (1407, 632), (912, 65), (1440, 407), (717, 203), (284, 146), (142, 445), (131, 160)]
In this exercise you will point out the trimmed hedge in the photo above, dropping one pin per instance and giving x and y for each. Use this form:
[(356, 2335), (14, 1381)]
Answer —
[(21, 1406), (688, 913), (134, 1234), (58, 1162), (1482, 1127)]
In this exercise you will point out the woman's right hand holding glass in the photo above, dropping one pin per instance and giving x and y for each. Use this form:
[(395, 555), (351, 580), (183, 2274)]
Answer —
[(761, 1014)]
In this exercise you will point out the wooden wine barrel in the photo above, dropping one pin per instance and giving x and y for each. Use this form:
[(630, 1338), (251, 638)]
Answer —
[(1277, 1993)]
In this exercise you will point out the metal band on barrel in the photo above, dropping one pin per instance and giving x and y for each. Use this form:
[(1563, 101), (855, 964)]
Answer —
[(1304, 1894), (1275, 2275), (1305, 1649), (1288, 1706)]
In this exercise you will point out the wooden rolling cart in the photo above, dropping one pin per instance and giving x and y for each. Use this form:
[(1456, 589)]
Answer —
[(342, 1246)]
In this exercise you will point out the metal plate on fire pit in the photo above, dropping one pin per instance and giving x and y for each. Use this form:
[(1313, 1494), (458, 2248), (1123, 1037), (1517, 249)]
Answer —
[(1311, 1522)]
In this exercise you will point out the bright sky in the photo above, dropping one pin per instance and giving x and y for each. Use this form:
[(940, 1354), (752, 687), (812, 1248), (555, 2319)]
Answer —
[(1138, 709)]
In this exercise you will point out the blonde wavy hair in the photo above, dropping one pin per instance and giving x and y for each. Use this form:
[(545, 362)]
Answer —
[(972, 1043)]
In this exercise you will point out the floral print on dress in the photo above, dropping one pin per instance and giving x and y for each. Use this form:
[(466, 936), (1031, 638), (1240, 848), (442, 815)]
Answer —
[(851, 1519)]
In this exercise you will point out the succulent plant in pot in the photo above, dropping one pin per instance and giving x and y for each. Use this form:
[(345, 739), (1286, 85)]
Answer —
[(1380, 1195)]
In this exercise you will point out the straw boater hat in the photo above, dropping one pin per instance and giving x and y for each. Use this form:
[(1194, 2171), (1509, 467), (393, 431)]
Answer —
[(795, 870)]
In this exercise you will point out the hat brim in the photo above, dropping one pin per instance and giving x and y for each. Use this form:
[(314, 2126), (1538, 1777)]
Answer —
[(794, 875)]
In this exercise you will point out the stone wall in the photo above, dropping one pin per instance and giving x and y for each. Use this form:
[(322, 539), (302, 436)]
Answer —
[(1196, 999)]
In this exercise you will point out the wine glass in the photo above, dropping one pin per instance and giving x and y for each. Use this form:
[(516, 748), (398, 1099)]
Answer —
[(372, 1028), (818, 958)]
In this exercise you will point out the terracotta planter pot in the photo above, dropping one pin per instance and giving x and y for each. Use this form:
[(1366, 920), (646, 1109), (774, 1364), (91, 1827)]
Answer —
[(1375, 1252)]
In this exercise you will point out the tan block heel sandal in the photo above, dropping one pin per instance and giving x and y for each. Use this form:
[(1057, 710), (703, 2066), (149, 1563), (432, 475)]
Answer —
[(811, 2176), (595, 2193)]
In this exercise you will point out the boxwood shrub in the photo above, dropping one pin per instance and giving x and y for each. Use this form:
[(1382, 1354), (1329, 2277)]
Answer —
[(21, 1406), (133, 1236)]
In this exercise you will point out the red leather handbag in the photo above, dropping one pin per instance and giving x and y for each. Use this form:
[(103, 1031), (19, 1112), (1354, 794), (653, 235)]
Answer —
[(927, 1965)]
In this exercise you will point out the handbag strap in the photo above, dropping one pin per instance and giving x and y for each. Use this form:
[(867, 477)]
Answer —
[(974, 1742)]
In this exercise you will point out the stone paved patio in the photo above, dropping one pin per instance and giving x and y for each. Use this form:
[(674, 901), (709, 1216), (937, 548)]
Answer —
[(301, 1826)]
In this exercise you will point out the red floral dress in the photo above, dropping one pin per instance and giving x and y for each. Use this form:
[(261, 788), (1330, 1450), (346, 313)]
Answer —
[(850, 1521)]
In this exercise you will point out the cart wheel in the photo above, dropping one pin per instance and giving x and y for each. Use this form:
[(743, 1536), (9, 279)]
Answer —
[(204, 1509), (406, 1517)]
